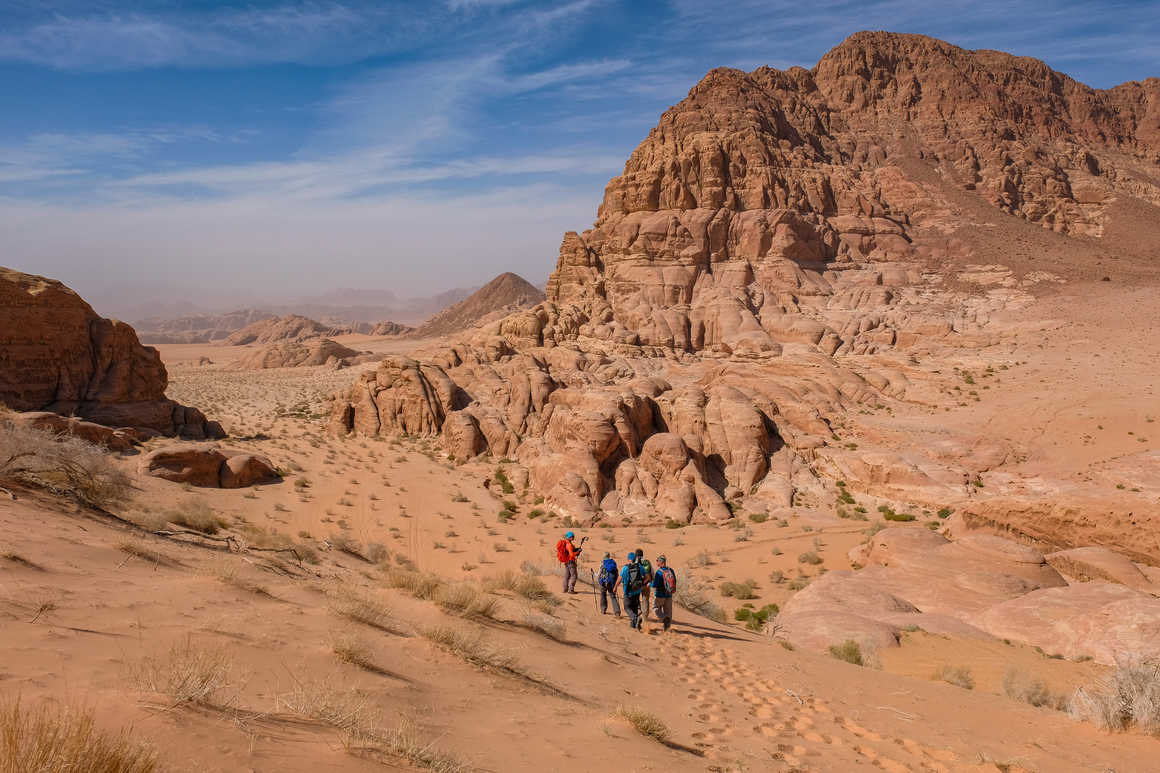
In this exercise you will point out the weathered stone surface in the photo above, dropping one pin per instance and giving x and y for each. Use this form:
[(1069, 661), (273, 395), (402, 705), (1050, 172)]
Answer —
[(291, 327), (97, 434), (207, 465), (294, 354), (57, 355), (501, 296)]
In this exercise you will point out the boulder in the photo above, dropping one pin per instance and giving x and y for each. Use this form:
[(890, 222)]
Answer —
[(113, 439), (208, 465), (57, 355)]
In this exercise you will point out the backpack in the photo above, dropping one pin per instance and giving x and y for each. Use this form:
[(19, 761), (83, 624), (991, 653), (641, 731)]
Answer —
[(670, 579), (646, 569), (608, 573), (635, 579), (562, 551)]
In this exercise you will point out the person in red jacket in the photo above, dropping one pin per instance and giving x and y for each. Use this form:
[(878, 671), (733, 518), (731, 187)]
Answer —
[(567, 552)]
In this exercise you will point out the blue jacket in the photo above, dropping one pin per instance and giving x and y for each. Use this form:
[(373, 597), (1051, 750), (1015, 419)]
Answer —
[(624, 582), (610, 566)]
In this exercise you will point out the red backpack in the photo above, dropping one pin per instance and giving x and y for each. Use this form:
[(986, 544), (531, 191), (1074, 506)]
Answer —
[(562, 552)]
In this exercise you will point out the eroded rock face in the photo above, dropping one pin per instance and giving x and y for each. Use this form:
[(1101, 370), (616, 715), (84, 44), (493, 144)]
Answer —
[(978, 586), (57, 355), (294, 354), (770, 258), (291, 327), (97, 434), (208, 465)]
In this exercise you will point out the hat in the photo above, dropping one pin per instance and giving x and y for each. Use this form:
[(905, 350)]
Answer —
[(632, 556), (569, 535), (662, 560)]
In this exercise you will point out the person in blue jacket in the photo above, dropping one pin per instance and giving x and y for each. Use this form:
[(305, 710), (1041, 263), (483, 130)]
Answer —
[(664, 585), (608, 581), (632, 581)]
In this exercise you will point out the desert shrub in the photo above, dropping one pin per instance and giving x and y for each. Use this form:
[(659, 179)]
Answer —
[(341, 707), (366, 609), (502, 479), (1127, 697), (759, 517), (674, 524), (755, 619), (545, 624), (849, 651), (473, 648), (811, 558), (523, 584), (944, 512), (648, 725), (378, 553), (701, 559), (691, 595), (196, 515), (62, 464), (959, 676), (418, 584), (464, 599), (902, 517), (739, 590), (405, 742), (52, 740), (1022, 687), (189, 676)]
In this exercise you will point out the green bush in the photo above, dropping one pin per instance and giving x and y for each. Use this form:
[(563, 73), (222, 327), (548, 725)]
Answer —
[(759, 517), (739, 590), (849, 651)]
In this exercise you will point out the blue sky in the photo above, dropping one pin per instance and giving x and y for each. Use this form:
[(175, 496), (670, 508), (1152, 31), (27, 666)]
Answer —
[(220, 153)]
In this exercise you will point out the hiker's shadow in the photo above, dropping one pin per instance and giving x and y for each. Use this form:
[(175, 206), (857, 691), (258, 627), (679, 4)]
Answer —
[(706, 633)]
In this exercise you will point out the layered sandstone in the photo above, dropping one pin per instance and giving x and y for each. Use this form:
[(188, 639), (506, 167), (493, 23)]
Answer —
[(291, 327), (779, 251), (295, 354), (57, 355), (197, 329)]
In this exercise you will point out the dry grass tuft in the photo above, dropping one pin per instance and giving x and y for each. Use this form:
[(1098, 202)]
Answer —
[(42, 740), (353, 650), (1022, 687), (196, 515), (229, 575), (958, 676), (545, 625), (418, 584), (648, 725), (523, 584), (137, 550), (62, 464), (368, 610), (189, 676), (1127, 697), (464, 599), (849, 651), (405, 742), (472, 647), (347, 709)]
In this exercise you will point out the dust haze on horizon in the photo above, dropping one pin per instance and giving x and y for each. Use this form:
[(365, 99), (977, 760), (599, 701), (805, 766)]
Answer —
[(163, 157)]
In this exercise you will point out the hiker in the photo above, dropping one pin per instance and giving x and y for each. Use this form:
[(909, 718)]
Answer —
[(664, 585), (632, 581), (566, 552), (609, 579), (647, 576)]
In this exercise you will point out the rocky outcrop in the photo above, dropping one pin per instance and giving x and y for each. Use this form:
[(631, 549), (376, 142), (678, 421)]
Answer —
[(291, 327), (71, 426), (389, 328), (196, 329), (501, 296), (294, 354), (57, 355), (978, 586), (208, 465), (774, 255)]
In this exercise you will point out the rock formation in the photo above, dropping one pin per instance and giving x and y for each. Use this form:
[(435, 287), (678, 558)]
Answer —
[(57, 355), (501, 296), (197, 329), (389, 328), (291, 327), (208, 465), (293, 354), (776, 251)]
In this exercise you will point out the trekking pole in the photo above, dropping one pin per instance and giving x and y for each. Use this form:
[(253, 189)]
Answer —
[(592, 572)]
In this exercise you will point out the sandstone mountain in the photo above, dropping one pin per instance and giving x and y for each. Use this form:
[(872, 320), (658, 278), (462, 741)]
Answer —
[(389, 328), (292, 354), (501, 296), (197, 329), (779, 256), (57, 355)]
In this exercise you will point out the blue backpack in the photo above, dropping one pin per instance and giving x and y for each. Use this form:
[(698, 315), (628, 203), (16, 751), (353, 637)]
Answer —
[(608, 573)]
